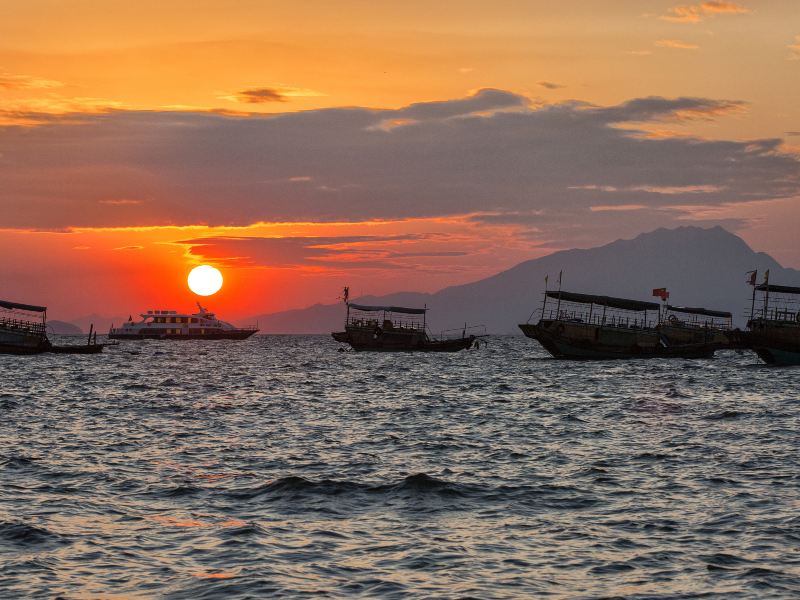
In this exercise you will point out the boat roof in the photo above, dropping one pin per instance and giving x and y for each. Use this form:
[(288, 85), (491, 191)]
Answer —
[(780, 289), (19, 306), (395, 309), (700, 311), (621, 303)]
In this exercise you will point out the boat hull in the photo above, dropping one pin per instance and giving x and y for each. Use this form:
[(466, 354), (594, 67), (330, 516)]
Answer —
[(157, 335), (775, 342), (363, 339), (19, 341), (580, 341)]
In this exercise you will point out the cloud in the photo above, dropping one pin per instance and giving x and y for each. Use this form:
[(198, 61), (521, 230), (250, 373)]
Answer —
[(695, 13), (130, 248), (263, 95), (676, 44), (550, 85), (9, 81), (492, 153), (120, 202), (616, 207), (46, 109), (353, 251), (795, 48)]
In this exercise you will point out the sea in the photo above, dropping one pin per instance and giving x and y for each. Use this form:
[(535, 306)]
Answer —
[(282, 466)]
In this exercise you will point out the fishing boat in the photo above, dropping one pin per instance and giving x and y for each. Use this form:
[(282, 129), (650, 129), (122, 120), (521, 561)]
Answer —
[(689, 325), (394, 329), (773, 330), (22, 333), (594, 327), (23, 330), (172, 325)]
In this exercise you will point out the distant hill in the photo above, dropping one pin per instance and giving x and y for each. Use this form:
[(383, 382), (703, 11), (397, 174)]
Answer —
[(63, 328), (700, 267)]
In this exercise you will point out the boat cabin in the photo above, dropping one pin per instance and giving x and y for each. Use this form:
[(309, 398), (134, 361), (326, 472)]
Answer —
[(593, 309), (685, 316)]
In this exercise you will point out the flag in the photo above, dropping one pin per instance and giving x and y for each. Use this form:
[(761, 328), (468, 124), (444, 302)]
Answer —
[(560, 273), (766, 277), (661, 293), (546, 277), (751, 277), (346, 295)]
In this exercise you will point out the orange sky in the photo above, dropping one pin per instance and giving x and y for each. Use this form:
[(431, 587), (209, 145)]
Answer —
[(130, 133)]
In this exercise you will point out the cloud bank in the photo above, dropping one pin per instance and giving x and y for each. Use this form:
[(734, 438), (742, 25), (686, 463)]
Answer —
[(492, 153)]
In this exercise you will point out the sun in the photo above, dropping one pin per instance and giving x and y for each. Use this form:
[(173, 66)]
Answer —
[(205, 280)]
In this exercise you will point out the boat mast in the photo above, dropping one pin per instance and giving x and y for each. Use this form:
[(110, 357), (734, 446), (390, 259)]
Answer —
[(753, 303), (766, 296), (544, 302), (346, 297), (558, 304)]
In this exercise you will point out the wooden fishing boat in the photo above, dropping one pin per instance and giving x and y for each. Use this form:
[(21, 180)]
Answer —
[(394, 329), (23, 330), (773, 330), (688, 325), (594, 327)]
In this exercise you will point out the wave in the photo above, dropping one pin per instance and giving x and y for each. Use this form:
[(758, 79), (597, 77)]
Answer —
[(17, 462), (420, 486), (22, 534)]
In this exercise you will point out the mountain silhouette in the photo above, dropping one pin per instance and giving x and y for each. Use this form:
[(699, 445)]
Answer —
[(699, 267)]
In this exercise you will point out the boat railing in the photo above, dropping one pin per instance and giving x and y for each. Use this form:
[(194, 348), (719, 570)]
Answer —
[(395, 324), (778, 314), (462, 332), (596, 317), (711, 323), (23, 326), (777, 304)]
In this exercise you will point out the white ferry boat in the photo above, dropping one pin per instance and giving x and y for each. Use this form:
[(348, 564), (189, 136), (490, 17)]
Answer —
[(172, 325)]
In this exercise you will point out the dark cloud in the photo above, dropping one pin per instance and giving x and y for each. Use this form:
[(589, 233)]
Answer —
[(260, 96), (550, 85), (487, 153)]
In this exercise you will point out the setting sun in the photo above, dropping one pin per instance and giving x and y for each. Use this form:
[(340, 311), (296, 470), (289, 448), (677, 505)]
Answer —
[(205, 280)]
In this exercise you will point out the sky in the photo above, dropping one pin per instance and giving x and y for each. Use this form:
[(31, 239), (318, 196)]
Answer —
[(301, 147)]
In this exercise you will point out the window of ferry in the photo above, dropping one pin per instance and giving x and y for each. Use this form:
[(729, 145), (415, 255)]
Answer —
[(194, 320)]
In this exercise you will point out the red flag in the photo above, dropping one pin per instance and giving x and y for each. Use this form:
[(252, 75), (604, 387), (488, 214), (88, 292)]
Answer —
[(661, 293), (751, 279)]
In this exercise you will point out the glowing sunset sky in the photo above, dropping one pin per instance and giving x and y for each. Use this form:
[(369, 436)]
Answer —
[(302, 146)]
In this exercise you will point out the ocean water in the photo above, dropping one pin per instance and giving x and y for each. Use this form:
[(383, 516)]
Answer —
[(279, 466)]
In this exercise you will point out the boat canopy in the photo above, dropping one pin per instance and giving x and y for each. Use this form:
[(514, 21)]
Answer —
[(778, 289), (721, 314), (621, 303), (18, 306), (394, 309)]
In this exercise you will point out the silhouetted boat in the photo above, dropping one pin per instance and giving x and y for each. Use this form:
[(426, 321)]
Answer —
[(773, 331), (688, 325), (172, 325), (594, 327), (28, 334), (393, 329), (23, 334)]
